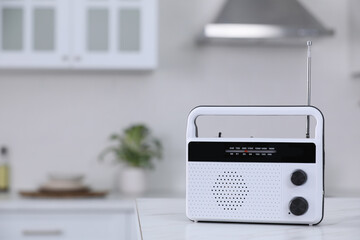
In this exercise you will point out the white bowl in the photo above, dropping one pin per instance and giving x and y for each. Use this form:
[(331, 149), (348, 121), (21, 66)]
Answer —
[(66, 177)]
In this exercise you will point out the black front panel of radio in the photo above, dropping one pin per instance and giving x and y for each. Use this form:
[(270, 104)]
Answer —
[(251, 152)]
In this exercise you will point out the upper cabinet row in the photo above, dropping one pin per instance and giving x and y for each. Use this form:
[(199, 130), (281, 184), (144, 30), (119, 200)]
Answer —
[(79, 34)]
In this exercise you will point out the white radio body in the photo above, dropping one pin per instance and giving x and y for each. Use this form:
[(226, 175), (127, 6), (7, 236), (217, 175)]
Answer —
[(257, 180)]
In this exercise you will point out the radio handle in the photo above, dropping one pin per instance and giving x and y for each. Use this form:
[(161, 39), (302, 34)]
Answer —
[(192, 131)]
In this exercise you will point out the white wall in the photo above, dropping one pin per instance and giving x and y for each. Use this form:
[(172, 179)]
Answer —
[(60, 121)]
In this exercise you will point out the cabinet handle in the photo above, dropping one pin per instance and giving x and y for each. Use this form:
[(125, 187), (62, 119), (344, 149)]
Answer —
[(44, 232), (78, 58), (65, 58)]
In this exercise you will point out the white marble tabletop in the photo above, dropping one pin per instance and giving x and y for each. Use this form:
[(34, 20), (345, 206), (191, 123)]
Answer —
[(162, 219)]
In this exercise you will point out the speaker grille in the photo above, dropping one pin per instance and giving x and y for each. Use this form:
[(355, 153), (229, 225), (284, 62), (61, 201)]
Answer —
[(230, 190), (238, 191)]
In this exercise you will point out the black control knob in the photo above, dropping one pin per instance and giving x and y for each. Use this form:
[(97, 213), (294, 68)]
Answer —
[(298, 177), (298, 206)]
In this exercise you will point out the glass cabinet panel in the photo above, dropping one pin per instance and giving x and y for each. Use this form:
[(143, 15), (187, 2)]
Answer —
[(12, 28), (98, 30), (44, 29), (129, 29)]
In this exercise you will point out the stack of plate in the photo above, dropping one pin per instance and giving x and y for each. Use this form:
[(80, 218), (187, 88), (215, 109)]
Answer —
[(64, 183), (63, 186)]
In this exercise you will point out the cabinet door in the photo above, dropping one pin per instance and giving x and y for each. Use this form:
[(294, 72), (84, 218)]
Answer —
[(115, 34), (46, 225), (34, 33)]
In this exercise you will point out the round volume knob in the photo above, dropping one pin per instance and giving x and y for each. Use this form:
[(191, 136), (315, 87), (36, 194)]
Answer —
[(298, 177), (298, 206)]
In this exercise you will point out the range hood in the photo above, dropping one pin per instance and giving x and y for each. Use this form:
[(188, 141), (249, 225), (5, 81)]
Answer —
[(266, 20)]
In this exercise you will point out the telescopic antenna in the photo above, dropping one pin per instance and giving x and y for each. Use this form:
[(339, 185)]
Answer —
[(308, 82)]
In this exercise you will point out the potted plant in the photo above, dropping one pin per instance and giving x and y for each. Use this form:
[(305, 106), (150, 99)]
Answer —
[(135, 148)]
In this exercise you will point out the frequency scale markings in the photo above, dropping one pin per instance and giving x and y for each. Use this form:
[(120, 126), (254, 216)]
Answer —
[(250, 151)]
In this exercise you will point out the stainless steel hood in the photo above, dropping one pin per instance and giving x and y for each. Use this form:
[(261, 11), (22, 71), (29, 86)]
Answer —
[(264, 20)]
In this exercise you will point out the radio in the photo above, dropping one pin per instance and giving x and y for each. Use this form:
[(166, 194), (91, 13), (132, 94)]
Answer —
[(258, 180)]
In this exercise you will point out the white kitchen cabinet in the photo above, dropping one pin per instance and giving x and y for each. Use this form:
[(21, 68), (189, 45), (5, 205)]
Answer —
[(78, 34), (68, 225), (112, 34), (33, 34), (91, 219)]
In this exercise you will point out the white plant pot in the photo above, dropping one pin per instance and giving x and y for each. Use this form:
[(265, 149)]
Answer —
[(132, 181)]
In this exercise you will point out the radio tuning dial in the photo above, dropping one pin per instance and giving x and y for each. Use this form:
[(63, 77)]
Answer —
[(298, 177), (298, 206)]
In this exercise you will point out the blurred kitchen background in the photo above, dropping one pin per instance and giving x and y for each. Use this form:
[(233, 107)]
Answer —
[(59, 120), (64, 93), (74, 72)]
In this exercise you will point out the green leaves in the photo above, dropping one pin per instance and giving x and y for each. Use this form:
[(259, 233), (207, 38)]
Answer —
[(136, 147)]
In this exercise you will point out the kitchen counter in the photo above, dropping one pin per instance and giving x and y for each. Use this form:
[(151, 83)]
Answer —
[(110, 202), (165, 219), (110, 218)]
